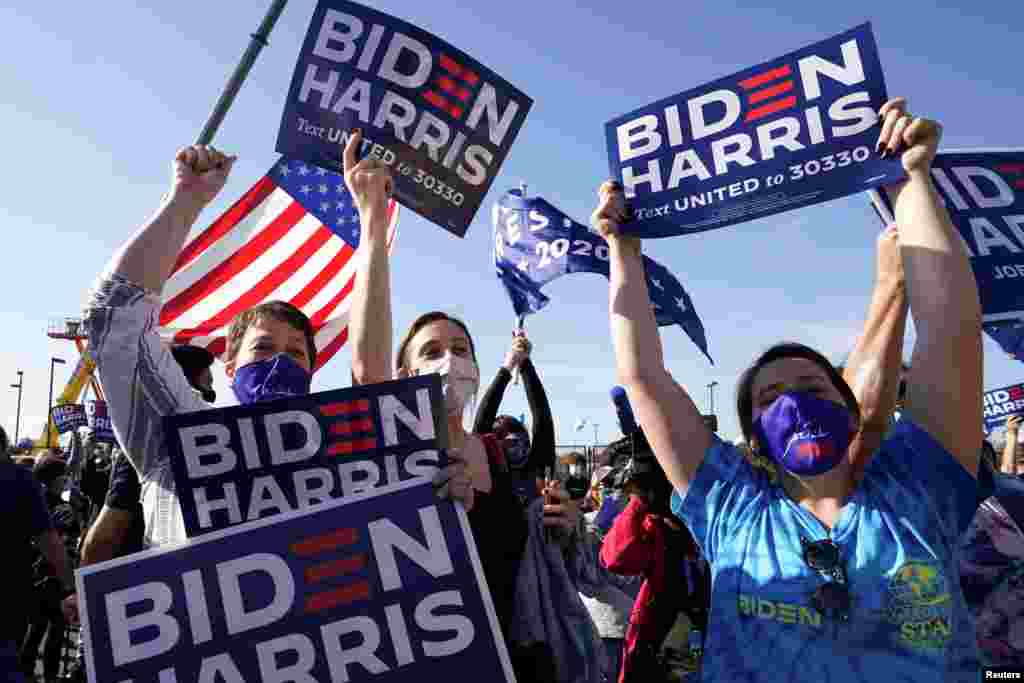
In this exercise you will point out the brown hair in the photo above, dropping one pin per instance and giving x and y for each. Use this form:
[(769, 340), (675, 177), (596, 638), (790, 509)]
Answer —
[(278, 310), (421, 322), (745, 390)]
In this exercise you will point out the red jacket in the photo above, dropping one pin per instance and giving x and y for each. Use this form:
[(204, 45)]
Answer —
[(655, 547)]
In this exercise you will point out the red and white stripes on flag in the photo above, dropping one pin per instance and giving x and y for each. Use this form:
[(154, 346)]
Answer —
[(291, 237)]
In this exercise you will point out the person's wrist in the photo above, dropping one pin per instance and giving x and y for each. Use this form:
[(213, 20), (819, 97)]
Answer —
[(187, 197)]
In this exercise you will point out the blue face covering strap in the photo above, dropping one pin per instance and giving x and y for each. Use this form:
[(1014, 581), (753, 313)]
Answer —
[(276, 377), (805, 434)]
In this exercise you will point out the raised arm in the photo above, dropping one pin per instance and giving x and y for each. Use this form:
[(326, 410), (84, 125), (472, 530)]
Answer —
[(149, 255), (945, 397), (1008, 461), (542, 442), (490, 402), (370, 322), (139, 376), (673, 425), (873, 368)]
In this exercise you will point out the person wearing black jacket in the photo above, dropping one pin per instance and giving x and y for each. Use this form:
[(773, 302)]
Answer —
[(528, 458)]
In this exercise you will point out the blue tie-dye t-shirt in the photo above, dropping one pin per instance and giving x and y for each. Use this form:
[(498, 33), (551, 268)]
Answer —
[(898, 538)]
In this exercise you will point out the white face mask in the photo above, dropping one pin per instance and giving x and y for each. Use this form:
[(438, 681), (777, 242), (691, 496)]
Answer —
[(460, 380)]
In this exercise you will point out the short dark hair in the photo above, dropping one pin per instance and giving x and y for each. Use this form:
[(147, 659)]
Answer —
[(192, 359), (745, 389), (506, 424), (421, 322), (277, 310)]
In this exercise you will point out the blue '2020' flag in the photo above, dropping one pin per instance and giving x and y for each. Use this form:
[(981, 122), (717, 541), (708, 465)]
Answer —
[(535, 243)]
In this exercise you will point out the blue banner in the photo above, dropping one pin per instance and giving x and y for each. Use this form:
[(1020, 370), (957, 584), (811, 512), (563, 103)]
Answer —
[(794, 131), (984, 194), (98, 420), (535, 243), (238, 464), (385, 585), (68, 417), (999, 404), (440, 119)]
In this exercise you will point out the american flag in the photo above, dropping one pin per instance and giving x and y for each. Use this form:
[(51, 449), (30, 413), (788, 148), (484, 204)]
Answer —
[(291, 237)]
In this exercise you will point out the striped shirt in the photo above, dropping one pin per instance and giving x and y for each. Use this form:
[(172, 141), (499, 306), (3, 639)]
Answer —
[(142, 383)]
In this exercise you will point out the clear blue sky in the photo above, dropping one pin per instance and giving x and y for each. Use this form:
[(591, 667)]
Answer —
[(99, 95)]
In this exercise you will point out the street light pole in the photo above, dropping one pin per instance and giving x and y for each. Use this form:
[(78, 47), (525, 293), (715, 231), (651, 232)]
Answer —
[(17, 419), (49, 404), (711, 395)]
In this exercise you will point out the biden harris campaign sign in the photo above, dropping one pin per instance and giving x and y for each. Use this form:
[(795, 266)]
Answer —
[(999, 404), (442, 121), (239, 464), (984, 194), (788, 133), (383, 586)]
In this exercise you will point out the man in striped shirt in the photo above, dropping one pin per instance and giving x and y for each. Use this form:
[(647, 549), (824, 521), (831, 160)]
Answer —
[(270, 348)]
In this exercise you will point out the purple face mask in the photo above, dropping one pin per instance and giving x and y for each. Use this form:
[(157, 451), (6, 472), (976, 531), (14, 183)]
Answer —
[(279, 376), (805, 434)]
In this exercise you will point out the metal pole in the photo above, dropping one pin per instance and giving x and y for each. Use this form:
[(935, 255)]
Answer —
[(227, 98), (49, 406), (49, 403), (17, 418), (711, 394)]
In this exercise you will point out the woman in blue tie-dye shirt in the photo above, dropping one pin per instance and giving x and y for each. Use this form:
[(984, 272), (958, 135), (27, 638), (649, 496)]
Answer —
[(828, 573)]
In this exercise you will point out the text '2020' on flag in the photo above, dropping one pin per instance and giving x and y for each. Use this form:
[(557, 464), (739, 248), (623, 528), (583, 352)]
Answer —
[(793, 131), (535, 243), (984, 194), (291, 237), (442, 121)]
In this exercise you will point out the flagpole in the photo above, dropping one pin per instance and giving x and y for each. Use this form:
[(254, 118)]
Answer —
[(227, 97), (521, 319)]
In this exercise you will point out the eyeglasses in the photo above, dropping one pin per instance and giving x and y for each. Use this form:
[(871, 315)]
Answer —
[(830, 599)]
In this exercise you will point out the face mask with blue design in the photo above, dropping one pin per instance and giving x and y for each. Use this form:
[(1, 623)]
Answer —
[(805, 434), (279, 376)]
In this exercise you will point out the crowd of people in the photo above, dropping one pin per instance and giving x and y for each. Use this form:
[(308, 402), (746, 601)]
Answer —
[(861, 529)]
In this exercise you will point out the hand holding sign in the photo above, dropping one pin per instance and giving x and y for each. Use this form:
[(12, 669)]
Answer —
[(369, 181), (919, 138), (200, 172), (611, 212), (454, 481), (1013, 423), (560, 511)]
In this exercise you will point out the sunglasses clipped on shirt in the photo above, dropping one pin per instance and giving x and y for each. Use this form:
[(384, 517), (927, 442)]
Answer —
[(831, 599)]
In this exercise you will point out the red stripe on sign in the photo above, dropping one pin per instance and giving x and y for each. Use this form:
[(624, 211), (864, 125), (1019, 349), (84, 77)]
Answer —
[(353, 427), (770, 92), (458, 70), (435, 99), (768, 109), (233, 265), (325, 354), (453, 88), (333, 267), (232, 217), (1010, 168), (339, 596), (346, 408), (321, 544), (329, 570), (270, 282), (766, 77), (350, 447)]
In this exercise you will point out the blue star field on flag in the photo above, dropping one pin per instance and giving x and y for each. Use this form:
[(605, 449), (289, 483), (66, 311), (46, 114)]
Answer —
[(322, 193), (535, 243)]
